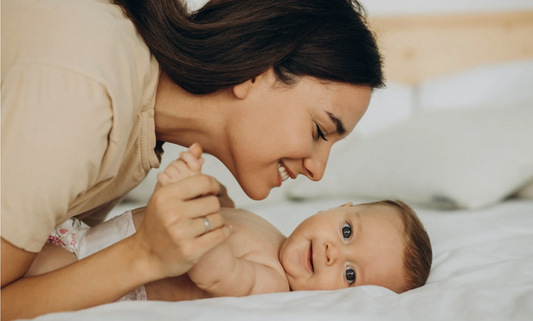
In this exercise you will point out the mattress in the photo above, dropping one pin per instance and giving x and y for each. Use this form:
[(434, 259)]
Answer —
[(482, 270)]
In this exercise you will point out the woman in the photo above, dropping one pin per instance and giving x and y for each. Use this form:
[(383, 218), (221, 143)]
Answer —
[(91, 89)]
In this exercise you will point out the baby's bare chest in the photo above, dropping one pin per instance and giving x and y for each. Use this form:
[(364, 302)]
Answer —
[(255, 239)]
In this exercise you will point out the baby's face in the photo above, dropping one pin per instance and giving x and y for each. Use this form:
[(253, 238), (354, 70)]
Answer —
[(346, 246)]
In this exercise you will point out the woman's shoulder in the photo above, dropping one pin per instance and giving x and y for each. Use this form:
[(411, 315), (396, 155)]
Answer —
[(90, 37)]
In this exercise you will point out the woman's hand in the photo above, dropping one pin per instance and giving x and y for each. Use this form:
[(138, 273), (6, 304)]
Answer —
[(223, 197), (173, 233)]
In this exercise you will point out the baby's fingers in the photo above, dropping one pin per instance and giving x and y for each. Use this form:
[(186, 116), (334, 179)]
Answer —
[(175, 171), (178, 168), (196, 150), (194, 163)]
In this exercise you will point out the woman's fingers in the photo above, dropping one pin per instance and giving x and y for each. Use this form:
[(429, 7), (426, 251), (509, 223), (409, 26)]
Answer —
[(224, 199), (200, 245), (189, 221), (207, 223), (189, 188), (207, 241), (202, 206), (173, 231)]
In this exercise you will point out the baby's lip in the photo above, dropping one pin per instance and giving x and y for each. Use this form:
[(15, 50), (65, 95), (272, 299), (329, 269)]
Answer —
[(310, 258)]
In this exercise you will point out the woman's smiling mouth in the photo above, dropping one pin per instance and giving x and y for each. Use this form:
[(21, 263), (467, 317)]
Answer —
[(283, 172)]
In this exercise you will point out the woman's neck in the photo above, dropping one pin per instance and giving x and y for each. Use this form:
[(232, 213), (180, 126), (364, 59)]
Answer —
[(183, 118)]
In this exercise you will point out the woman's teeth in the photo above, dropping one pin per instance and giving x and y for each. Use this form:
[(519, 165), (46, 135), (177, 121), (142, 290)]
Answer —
[(283, 172)]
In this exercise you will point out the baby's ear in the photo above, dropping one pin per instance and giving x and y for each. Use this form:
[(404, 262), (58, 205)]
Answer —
[(347, 204)]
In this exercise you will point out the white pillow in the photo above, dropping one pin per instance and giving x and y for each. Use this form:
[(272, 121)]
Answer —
[(526, 191), (498, 85), (454, 159), (504, 84), (388, 106)]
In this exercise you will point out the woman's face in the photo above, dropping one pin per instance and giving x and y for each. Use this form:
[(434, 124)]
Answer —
[(279, 131)]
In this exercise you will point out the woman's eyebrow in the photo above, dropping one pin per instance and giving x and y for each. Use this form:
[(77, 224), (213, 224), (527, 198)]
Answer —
[(338, 123)]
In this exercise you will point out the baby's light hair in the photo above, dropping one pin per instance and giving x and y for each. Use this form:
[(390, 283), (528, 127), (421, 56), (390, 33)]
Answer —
[(417, 256)]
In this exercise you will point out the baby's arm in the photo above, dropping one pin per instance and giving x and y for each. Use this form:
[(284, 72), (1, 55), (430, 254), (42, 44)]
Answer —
[(220, 273)]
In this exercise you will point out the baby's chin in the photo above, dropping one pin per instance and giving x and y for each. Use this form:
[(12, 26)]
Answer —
[(293, 287), (297, 286)]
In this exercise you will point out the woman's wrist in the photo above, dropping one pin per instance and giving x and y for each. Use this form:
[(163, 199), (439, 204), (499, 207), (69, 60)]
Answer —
[(143, 263)]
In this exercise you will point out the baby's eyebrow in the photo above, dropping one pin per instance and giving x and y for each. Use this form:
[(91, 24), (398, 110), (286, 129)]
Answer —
[(358, 228), (338, 123)]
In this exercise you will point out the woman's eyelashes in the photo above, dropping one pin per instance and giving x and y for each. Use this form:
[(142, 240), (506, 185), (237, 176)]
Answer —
[(320, 133), (350, 275), (346, 231)]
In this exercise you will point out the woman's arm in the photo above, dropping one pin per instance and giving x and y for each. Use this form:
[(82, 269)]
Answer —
[(19, 262), (169, 241), (101, 278)]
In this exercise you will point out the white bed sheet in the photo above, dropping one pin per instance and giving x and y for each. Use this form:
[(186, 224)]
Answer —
[(482, 270)]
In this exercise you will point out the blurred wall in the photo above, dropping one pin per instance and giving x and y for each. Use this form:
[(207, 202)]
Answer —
[(416, 7)]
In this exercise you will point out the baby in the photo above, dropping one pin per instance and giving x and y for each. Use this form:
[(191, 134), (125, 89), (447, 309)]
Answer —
[(381, 243)]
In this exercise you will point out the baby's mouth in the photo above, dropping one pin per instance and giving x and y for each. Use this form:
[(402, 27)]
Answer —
[(311, 257)]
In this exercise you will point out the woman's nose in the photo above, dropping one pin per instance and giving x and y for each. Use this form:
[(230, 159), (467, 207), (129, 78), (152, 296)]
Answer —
[(331, 253), (315, 166)]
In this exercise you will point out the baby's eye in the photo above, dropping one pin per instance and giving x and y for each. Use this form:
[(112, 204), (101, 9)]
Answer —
[(346, 231), (350, 275)]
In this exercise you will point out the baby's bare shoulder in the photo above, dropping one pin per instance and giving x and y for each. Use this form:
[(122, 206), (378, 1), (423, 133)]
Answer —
[(247, 222)]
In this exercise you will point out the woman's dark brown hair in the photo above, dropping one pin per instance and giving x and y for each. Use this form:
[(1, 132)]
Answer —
[(228, 42)]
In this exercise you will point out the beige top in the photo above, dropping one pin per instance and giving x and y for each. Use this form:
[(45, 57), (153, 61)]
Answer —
[(78, 133)]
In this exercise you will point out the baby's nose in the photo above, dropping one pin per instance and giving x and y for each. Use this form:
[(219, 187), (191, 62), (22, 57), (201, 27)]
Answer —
[(331, 253)]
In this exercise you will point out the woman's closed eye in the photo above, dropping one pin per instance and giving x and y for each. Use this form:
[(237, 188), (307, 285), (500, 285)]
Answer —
[(346, 231), (320, 133), (350, 275)]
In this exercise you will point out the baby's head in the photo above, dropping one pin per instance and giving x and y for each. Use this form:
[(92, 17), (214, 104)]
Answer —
[(381, 243)]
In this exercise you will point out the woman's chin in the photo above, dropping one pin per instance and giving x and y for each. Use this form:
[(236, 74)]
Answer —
[(257, 193)]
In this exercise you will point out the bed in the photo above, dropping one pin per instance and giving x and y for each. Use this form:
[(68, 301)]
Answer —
[(482, 270), (456, 123)]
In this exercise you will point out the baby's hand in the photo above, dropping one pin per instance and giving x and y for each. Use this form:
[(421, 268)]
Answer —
[(186, 166)]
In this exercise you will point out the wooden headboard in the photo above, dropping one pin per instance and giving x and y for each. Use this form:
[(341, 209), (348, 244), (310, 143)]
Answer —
[(421, 47)]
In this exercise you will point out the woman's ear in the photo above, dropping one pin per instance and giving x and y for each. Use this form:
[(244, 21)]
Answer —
[(241, 91)]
